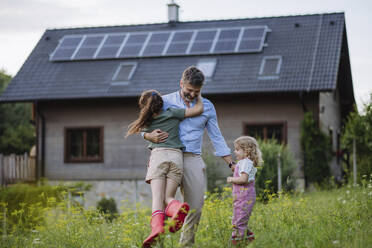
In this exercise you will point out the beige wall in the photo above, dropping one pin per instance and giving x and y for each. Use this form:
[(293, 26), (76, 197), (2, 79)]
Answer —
[(330, 123), (127, 158), (123, 158), (234, 112)]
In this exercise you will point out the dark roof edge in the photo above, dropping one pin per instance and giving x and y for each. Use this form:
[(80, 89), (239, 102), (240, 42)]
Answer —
[(195, 21), (4, 100)]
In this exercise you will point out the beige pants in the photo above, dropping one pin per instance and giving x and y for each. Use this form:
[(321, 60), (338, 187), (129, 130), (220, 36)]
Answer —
[(165, 163), (193, 188)]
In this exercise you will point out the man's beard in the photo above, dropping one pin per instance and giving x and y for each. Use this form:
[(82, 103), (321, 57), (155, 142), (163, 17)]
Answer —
[(188, 97)]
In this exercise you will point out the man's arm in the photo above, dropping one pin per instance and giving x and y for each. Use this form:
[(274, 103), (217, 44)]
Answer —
[(197, 109), (219, 143), (156, 136)]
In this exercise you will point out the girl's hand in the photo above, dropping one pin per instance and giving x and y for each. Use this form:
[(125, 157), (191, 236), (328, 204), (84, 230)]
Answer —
[(229, 179)]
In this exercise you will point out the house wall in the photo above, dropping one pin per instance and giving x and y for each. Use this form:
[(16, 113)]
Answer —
[(235, 111), (121, 173), (330, 123)]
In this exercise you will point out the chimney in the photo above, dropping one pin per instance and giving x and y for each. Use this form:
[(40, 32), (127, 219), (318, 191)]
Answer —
[(173, 12)]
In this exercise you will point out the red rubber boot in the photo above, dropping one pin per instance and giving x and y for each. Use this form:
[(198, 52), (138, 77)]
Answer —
[(157, 228), (178, 212)]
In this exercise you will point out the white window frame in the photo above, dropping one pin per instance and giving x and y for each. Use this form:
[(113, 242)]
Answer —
[(278, 67), (114, 81), (208, 60)]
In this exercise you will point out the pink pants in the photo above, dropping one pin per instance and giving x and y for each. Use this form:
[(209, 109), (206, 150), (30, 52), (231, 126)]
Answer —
[(244, 199)]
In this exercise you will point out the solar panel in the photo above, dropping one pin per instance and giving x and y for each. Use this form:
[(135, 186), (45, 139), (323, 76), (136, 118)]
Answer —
[(180, 42), (133, 46), (227, 40), (161, 43), (66, 48), (156, 44), (89, 47), (252, 39), (203, 41), (111, 46)]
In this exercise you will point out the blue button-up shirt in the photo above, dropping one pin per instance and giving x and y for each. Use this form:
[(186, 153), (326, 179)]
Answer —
[(191, 130)]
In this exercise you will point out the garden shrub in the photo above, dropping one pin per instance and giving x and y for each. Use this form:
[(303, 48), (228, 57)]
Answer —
[(358, 126), (108, 208), (317, 151), (216, 177), (24, 204), (267, 175)]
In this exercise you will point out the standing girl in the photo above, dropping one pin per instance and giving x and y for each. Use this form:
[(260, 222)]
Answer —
[(165, 168), (249, 155)]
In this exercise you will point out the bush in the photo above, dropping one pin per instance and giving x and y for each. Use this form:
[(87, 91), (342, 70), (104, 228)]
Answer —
[(24, 204), (267, 175), (108, 208), (316, 147), (358, 127), (216, 176)]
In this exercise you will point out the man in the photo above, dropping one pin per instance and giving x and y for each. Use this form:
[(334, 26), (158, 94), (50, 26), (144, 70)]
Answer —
[(191, 132)]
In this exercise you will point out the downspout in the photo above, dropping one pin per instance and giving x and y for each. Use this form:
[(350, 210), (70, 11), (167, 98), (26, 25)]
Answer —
[(40, 173), (301, 95)]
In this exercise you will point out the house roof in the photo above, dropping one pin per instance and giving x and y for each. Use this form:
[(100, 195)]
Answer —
[(309, 45)]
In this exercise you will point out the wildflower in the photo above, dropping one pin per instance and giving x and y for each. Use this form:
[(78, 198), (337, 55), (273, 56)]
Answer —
[(370, 193), (347, 192), (335, 242), (344, 201), (36, 241)]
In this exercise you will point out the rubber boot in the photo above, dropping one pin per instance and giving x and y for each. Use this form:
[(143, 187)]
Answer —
[(178, 212), (157, 228)]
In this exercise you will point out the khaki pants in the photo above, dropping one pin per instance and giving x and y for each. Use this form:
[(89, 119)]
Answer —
[(193, 187)]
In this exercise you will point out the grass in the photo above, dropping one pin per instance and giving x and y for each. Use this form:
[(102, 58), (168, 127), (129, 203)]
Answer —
[(334, 218)]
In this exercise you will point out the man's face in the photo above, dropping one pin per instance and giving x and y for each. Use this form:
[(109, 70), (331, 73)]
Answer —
[(189, 92)]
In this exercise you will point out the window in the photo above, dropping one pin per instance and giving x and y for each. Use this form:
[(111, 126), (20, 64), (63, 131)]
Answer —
[(265, 131), (207, 66), (270, 67), (124, 73), (84, 144)]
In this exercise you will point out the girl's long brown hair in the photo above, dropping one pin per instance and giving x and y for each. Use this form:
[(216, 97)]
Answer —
[(150, 103)]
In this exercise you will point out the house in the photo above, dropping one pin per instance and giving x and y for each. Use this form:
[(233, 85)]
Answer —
[(262, 74)]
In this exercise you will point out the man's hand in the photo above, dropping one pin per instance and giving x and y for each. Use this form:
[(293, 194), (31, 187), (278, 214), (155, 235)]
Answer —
[(229, 179), (156, 136)]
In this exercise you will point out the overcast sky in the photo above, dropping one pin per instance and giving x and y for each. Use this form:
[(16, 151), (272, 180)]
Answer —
[(22, 22)]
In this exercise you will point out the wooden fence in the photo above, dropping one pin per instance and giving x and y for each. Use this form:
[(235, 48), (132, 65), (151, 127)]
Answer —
[(17, 168)]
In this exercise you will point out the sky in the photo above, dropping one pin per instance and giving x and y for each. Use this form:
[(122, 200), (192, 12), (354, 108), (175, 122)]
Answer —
[(22, 23)]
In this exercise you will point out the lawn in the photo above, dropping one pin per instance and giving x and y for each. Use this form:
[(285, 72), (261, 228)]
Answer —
[(334, 218)]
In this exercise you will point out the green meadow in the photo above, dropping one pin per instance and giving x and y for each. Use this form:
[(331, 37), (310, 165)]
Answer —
[(333, 218)]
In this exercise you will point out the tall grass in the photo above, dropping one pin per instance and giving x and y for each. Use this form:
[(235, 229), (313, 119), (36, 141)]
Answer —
[(334, 218)]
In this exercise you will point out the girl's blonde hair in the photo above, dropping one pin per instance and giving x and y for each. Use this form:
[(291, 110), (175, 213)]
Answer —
[(150, 103), (251, 149)]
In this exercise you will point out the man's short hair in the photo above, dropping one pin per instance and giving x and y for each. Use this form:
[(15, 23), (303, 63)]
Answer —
[(193, 76)]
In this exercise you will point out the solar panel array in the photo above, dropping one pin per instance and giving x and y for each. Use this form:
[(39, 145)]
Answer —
[(171, 43)]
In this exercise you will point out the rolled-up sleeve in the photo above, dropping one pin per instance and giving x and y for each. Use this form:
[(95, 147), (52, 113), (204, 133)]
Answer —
[(214, 133)]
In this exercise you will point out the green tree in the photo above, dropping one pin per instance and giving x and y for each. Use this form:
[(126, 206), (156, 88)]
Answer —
[(16, 131), (359, 127), (317, 150)]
